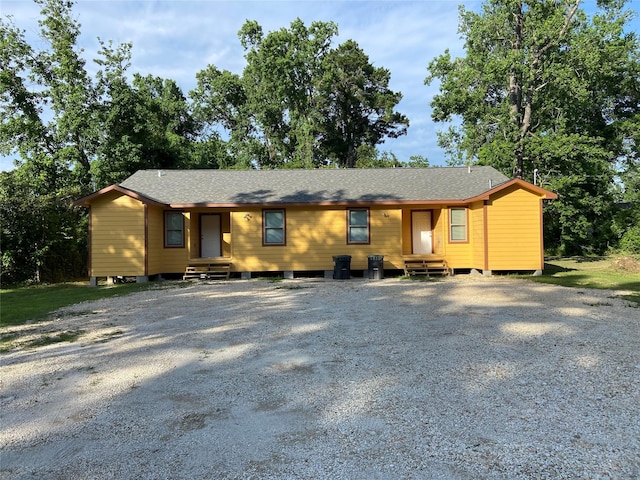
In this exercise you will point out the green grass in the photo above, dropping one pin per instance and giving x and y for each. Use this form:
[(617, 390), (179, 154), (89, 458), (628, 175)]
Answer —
[(590, 273), (32, 304), (422, 278), (68, 336)]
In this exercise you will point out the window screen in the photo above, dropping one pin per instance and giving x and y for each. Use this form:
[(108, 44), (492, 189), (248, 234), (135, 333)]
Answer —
[(458, 225), (358, 226), (173, 229), (273, 231)]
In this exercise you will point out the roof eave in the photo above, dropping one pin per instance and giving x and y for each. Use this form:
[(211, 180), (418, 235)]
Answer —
[(544, 193), (86, 201), (342, 203)]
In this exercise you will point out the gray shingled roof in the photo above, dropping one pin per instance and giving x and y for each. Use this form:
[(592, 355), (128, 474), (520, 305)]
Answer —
[(225, 187)]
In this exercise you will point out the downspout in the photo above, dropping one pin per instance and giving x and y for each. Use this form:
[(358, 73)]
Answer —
[(89, 242)]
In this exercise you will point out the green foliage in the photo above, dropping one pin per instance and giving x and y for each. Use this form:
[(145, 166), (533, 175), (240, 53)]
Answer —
[(73, 134), (299, 103), (590, 272), (35, 303), (630, 241), (43, 236), (146, 125), (418, 161), (544, 88), (369, 157), (357, 106)]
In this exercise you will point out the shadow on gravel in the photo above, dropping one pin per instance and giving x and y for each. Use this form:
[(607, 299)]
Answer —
[(356, 379)]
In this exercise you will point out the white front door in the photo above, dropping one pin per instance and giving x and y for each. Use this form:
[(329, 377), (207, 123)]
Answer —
[(210, 236), (421, 232)]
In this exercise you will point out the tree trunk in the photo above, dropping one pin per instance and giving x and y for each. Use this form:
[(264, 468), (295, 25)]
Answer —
[(522, 107), (515, 94)]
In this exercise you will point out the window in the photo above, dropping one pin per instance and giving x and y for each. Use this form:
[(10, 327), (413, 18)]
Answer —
[(173, 229), (273, 222), (358, 226), (458, 225)]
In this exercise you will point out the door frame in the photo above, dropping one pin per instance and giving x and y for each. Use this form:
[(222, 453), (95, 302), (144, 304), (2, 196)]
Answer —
[(201, 216)]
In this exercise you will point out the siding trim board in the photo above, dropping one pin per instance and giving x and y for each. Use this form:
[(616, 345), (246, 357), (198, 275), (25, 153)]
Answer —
[(485, 231), (146, 239), (541, 238), (356, 203), (89, 239)]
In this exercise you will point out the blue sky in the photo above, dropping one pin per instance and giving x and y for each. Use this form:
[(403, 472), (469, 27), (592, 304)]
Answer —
[(177, 38)]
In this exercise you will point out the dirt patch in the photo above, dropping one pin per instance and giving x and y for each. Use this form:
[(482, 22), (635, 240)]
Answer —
[(626, 264)]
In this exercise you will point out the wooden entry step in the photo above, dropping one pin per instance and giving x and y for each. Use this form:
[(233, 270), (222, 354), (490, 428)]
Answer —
[(417, 265), (207, 270)]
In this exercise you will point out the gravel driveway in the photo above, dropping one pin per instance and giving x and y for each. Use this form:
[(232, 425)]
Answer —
[(464, 378)]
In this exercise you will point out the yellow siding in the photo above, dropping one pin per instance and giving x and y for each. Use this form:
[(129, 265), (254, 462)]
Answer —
[(458, 254), (313, 236), (515, 237), (117, 236), (406, 232), (226, 234), (161, 259), (439, 231)]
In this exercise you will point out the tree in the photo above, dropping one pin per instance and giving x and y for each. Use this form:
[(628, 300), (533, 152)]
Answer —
[(43, 235), (357, 105), (53, 80), (369, 157), (540, 89), (280, 79), (299, 103), (418, 161), (47, 113), (147, 124), (144, 123), (74, 133), (220, 103)]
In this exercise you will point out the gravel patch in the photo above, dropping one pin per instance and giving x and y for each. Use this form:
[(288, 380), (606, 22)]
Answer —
[(463, 378)]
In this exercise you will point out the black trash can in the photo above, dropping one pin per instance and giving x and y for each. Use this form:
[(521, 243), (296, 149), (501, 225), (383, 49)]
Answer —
[(342, 267), (376, 267)]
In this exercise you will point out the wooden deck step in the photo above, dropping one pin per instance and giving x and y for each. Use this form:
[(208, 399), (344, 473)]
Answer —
[(207, 271), (426, 266)]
